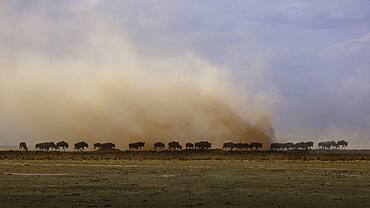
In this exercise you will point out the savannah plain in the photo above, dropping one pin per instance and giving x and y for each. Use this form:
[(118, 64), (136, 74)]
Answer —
[(181, 179)]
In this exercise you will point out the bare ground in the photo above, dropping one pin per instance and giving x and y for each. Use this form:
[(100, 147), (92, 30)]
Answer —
[(184, 183)]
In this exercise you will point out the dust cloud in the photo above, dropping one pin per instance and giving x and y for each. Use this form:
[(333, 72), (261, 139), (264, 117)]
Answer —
[(107, 90)]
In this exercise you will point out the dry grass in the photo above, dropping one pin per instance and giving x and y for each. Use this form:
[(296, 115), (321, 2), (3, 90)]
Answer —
[(184, 183), (332, 155)]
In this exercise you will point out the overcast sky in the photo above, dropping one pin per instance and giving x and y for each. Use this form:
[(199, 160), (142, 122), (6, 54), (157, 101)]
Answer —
[(312, 58)]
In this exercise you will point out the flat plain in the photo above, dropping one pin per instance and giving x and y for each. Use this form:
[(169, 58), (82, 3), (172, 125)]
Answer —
[(184, 183)]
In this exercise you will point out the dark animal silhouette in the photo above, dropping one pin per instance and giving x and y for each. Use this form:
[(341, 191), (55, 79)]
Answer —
[(281, 146), (275, 146), (97, 146), (136, 145), (245, 146), (288, 146), (23, 146), (189, 145), (53, 146), (203, 145), (228, 146), (327, 144), (174, 145), (242, 146), (343, 144), (158, 145), (133, 146), (308, 145), (107, 146), (46, 146), (39, 146), (255, 146), (62, 145), (80, 146), (299, 146), (140, 145), (238, 146)]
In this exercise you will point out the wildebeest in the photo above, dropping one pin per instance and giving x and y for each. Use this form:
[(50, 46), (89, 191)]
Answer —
[(97, 146), (342, 143), (23, 146), (174, 145), (276, 146), (228, 146), (303, 145), (288, 146), (255, 145), (132, 146), (282, 146), (40, 146), (309, 145), (53, 146), (189, 145), (158, 145), (63, 145), (299, 146), (327, 144), (203, 145), (242, 146), (46, 146), (239, 146), (107, 146), (80, 146), (136, 145)]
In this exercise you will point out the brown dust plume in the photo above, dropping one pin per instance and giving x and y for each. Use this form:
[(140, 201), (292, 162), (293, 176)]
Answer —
[(108, 91)]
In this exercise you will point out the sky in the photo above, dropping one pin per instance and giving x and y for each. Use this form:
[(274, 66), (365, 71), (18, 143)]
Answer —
[(305, 63)]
